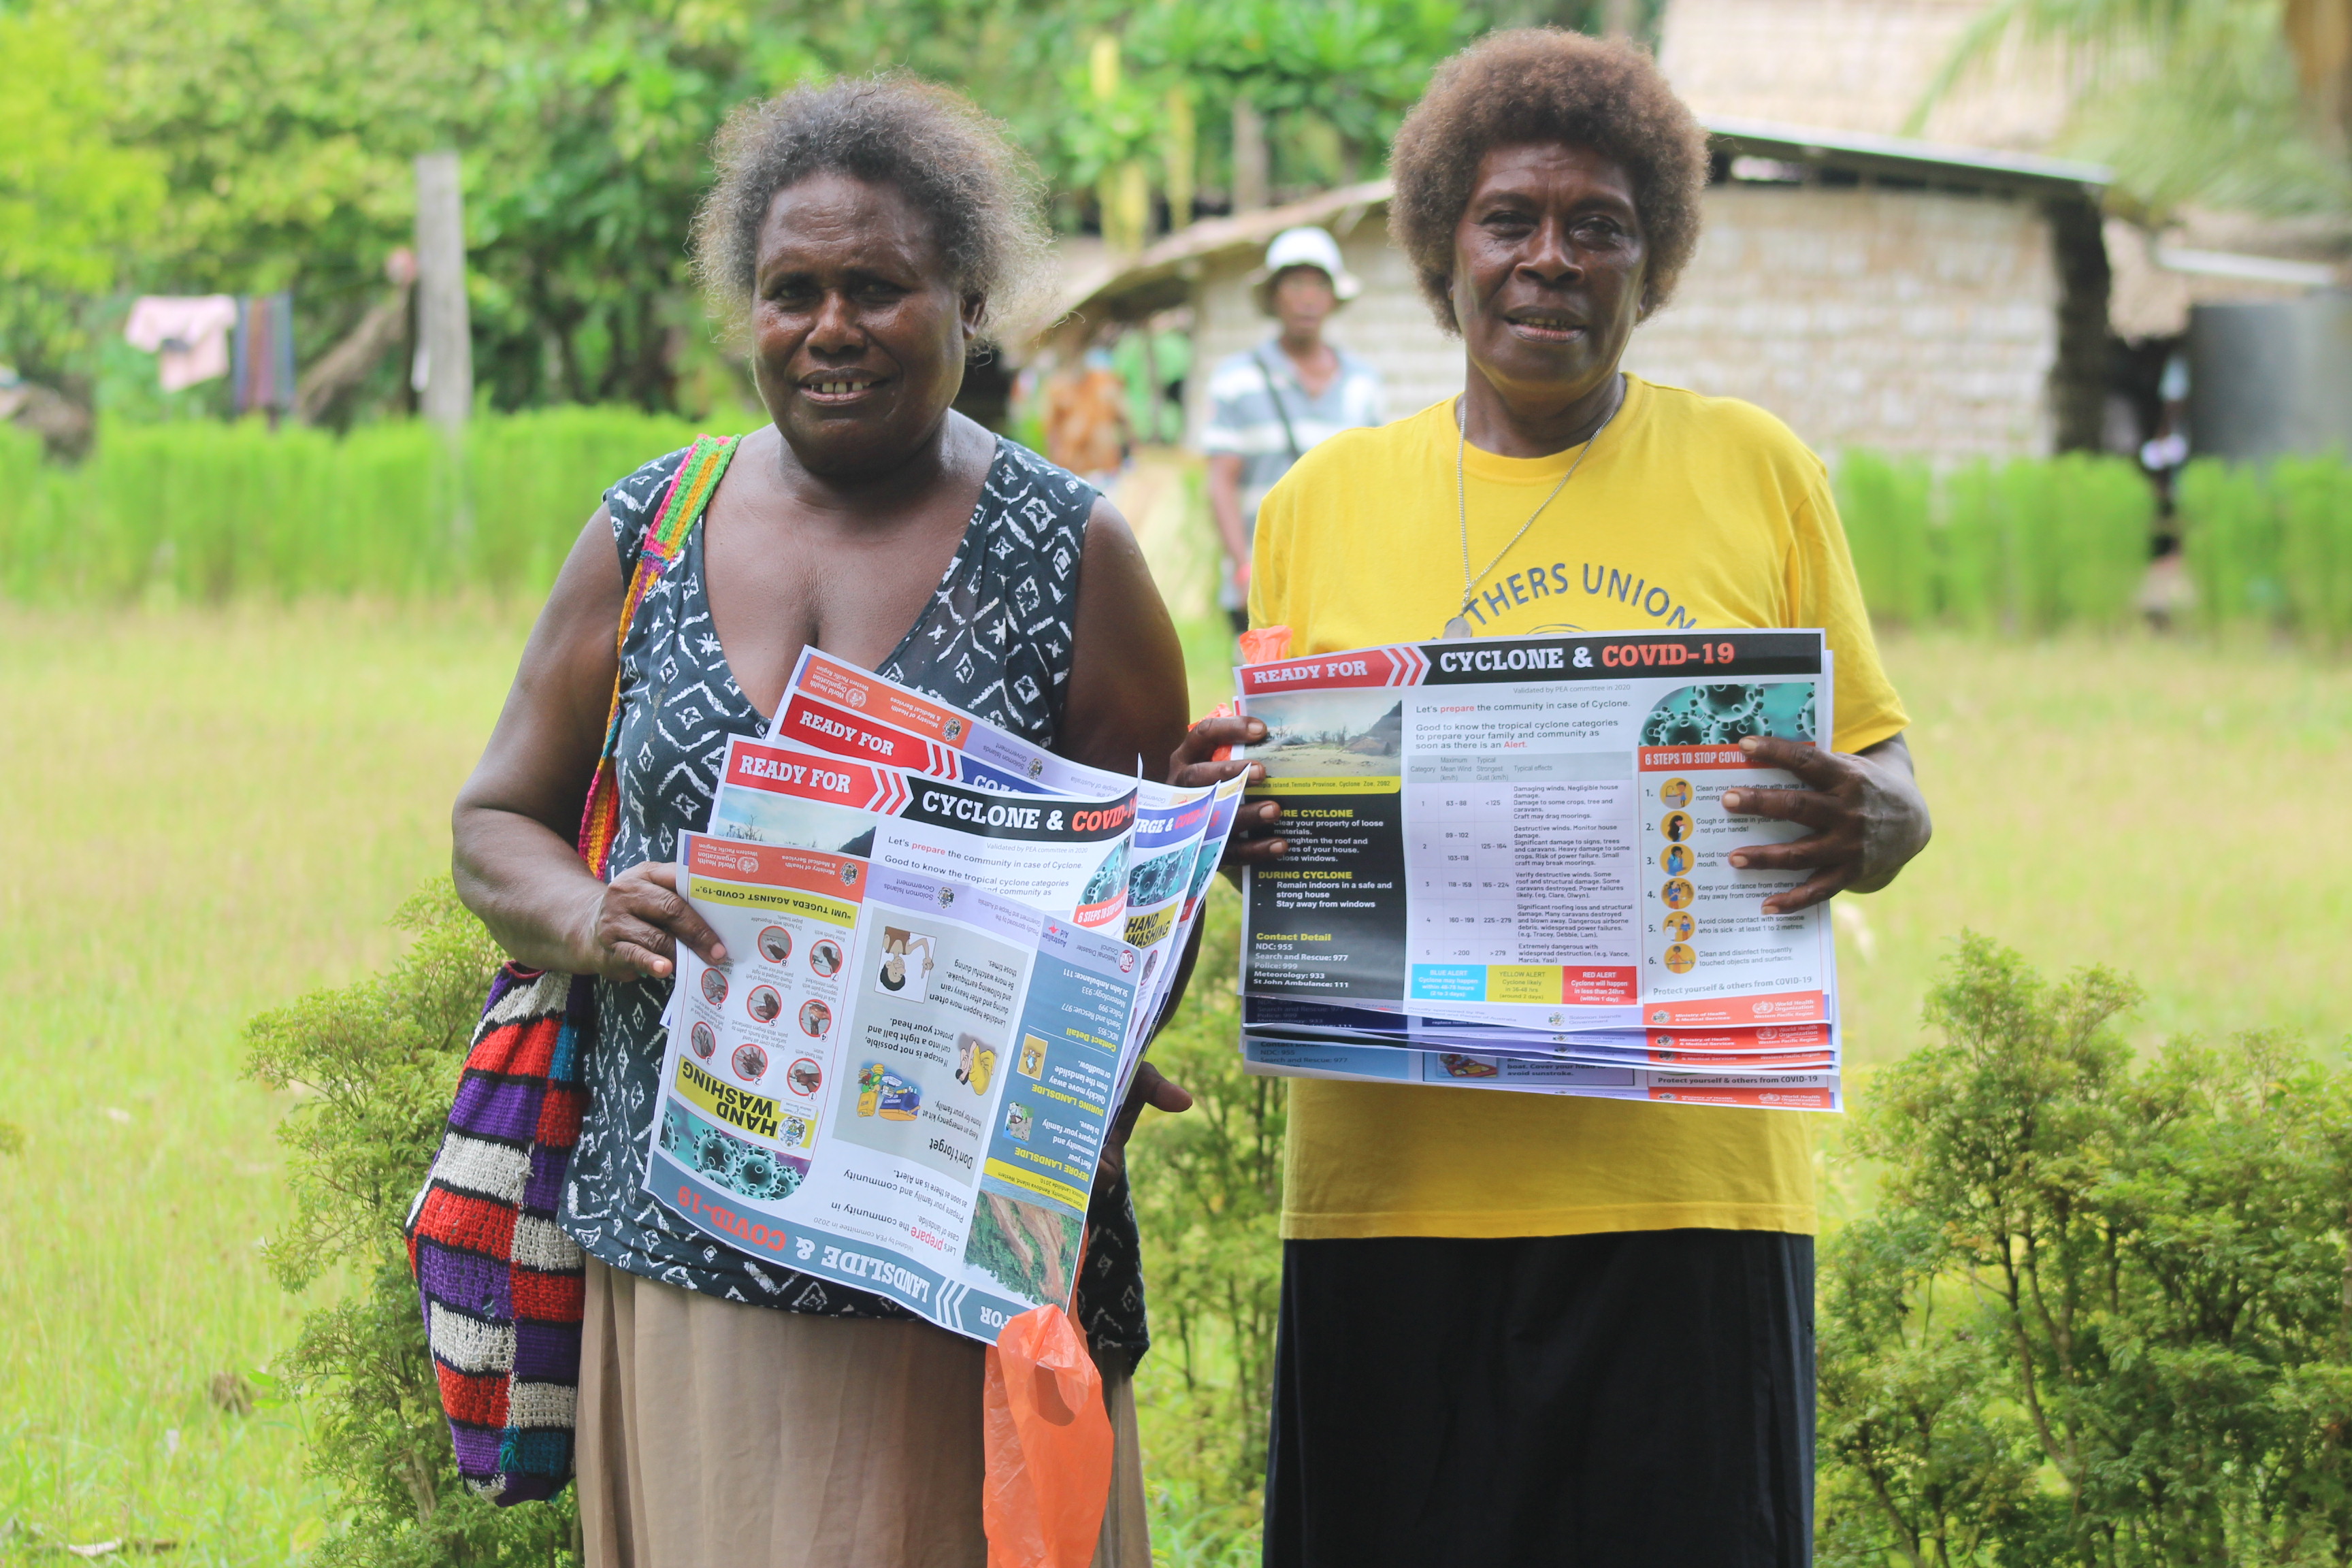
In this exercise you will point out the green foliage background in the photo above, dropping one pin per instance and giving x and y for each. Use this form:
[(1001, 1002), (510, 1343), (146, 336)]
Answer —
[(2273, 544), (192, 146), (205, 512), (1208, 1196), (2036, 544)]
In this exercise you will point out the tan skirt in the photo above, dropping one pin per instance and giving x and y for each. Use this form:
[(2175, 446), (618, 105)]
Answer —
[(714, 1434)]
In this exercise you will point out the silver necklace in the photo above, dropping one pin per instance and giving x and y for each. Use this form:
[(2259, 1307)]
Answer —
[(1459, 627)]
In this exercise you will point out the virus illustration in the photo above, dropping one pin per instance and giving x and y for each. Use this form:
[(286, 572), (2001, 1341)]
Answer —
[(726, 1161), (714, 1153), (759, 1174), (1157, 879), (1719, 715), (1106, 879)]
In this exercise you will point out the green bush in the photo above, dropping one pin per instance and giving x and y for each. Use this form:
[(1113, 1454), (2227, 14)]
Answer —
[(1884, 503), (378, 1063), (203, 511), (2103, 1314), (1974, 586), (2230, 542), (2082, 531), (2314, 503)]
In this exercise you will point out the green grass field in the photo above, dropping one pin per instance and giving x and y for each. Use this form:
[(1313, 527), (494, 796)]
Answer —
[(206, 815)]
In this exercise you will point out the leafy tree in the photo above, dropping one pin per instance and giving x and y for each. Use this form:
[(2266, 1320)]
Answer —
[(272, 140), (2102, 1316), (380, 1061), (1338, 76), (73, 202)]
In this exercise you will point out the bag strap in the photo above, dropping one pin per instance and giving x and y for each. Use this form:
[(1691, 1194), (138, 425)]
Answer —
[(681, 508), (1281, 412)]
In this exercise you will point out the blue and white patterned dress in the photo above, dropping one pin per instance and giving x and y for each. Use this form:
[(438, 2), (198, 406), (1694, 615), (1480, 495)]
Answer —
[(995, 640)]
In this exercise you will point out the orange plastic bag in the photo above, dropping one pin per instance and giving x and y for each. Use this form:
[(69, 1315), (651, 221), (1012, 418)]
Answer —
[(1264, 644), (1049, 1444)]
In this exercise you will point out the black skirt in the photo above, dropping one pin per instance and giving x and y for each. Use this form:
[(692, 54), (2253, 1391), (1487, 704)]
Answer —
[(1636, 1399)]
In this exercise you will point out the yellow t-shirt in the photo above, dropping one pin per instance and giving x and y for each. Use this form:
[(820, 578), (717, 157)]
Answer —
[(1690, 511)]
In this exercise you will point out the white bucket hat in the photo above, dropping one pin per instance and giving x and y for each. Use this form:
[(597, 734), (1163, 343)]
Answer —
[(1307, 246)]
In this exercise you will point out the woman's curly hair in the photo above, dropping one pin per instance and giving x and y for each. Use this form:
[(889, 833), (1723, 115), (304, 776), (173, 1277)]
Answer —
[(980, 194), (1542, 84)]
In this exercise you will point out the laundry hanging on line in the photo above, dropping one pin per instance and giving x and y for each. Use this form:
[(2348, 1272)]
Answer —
[(189, 333), (264, 377), (249, 338)]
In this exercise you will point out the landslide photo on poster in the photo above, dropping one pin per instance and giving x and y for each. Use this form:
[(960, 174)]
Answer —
[(1030, 1248)]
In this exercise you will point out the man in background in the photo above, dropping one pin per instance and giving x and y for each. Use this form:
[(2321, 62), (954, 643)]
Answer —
[(1268, 405)]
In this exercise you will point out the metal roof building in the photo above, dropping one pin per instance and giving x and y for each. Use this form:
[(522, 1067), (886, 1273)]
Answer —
[(1870, 291)]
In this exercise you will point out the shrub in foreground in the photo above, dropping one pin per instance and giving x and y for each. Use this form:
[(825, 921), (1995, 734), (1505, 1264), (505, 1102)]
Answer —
[(378, 1062), (2103, 1314)]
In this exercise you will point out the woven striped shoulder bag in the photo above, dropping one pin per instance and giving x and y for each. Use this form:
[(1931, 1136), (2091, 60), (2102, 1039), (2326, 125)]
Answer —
[(502, 1288)]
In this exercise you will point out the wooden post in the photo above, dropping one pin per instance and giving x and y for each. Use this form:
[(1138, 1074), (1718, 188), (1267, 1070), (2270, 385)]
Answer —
[(445, 340), (1249, 170), (443, 375)]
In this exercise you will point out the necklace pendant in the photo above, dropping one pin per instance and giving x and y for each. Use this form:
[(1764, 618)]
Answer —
[(1456, 630)]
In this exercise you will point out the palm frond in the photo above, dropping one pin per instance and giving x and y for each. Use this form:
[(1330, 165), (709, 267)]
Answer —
[(2189, 100), (2218, 121)]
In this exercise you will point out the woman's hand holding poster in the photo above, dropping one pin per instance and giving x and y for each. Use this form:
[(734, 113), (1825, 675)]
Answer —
[(903, 1075)]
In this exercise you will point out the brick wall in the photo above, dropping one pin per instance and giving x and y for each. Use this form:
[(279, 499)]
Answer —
[(1905, 320)]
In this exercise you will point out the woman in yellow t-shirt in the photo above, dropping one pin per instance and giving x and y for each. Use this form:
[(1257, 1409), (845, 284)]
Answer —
[(1521, 1329)]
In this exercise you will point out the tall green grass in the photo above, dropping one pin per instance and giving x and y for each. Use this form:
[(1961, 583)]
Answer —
[(2037, 545), (2030, 545), (2272, 546), (206, 512)]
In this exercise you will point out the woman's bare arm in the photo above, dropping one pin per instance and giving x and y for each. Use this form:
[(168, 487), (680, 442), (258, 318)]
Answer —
[(517, 818), (1127, 699)]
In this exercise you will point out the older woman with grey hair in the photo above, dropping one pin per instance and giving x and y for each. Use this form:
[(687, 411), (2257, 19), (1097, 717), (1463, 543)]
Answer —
[(859, 239)]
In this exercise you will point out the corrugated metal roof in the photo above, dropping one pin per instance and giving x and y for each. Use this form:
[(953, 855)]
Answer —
[(1807, 144), (1161, 275)]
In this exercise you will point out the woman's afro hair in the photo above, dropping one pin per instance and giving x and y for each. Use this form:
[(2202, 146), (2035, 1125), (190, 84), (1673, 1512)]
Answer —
[(979, 193), (1542, 84)]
